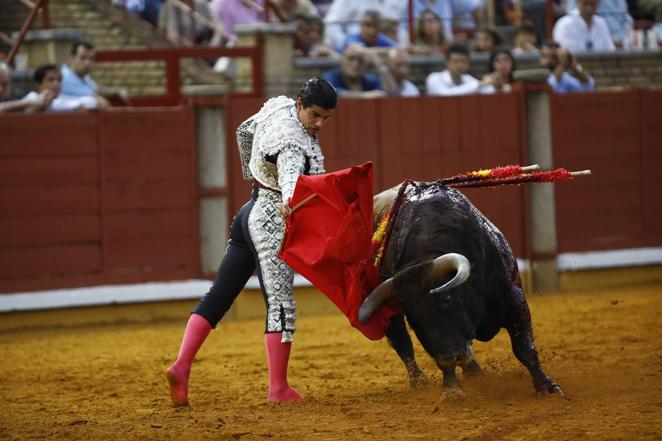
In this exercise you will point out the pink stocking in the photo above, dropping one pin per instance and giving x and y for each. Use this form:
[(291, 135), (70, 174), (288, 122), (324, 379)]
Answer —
[(195, 334), (278, 354)]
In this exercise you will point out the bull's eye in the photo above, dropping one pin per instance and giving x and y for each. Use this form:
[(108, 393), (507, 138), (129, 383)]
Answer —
[(447, 299)]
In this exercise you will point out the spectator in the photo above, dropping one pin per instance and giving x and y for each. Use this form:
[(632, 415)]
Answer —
[(76, 79), (441, 9), (567, 75), (233, 12), (391, 28), (175, 23), (499, 76), (526, 40), (582, 30), (344, 15), (455, 80), (615, 13), (351, 80), (487, 40), (369, 34), (398, 70), (302, 35), (286, 10), (464, 13), (430, 35), (318, 47), (48, 80), (7, 104)]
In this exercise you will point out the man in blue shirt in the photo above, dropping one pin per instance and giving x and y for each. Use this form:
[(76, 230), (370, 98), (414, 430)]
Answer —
[(350, 79), (567, 75), (370, 35), (76, 79)]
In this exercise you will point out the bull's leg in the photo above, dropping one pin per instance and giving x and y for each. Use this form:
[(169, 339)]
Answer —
[(470, 366), (451, 386), (400, 341), (521, 337)]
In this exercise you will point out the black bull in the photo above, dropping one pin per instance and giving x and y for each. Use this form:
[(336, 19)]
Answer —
[(456, 279)]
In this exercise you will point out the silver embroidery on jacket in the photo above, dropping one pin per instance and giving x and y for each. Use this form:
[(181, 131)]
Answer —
[(274, 129), (266, 227)]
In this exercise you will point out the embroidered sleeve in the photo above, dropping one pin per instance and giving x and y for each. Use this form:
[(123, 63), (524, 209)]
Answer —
[(245, 134), (291, 163)]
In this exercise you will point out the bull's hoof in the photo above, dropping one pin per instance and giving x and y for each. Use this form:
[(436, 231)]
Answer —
[(451, 393), (419, 381), (549, 388)]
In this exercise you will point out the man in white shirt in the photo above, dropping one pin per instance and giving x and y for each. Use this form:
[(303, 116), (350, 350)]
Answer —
[(48, 80), (582, 30), (398, 70), (455, 80)]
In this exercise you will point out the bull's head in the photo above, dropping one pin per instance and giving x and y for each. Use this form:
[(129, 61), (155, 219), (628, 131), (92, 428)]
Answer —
[(425, 292)]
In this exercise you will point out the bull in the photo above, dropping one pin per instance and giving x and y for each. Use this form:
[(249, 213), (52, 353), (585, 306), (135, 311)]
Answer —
[(456, 280)]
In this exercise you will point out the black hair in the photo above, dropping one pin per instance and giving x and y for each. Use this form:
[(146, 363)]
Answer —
[(318, 92), (41, 71), (78, 43), (495, 35), (493, 55), (457, 49)]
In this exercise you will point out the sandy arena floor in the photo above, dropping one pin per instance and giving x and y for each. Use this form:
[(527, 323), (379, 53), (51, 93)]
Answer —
[(107, 383)]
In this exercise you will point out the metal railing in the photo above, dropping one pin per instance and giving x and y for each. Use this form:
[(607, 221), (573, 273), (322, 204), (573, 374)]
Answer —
[(172, 59), (41, 5)]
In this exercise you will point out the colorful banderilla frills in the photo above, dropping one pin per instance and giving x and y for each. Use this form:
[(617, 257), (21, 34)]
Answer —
[(506, 175)]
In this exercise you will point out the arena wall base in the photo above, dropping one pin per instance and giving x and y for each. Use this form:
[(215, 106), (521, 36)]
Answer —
[(610, 278), (249, 305)]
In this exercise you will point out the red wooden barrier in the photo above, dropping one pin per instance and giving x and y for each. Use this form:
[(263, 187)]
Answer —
[(93, 198), (617, 136)]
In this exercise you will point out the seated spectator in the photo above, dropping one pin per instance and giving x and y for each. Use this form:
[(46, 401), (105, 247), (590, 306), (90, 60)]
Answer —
[(582, 30), (395, 81), (351, 80), (286, 10), (567, 75), (464, 14), (526, 40), (76, 79), (8, 104), (318, 47), (391, 28), (369, 34), (615, 13), (441, 9), (233, 12), (430, 37), (487, 40), (455, 80), (48, 80), (309, 37), (343, 17), (499, 76)]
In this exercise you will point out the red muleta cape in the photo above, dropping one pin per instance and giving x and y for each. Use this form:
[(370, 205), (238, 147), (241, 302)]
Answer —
[(328, 240)]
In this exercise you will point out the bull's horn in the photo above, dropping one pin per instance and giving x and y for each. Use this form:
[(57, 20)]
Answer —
[(378, 296), (447, 263)]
